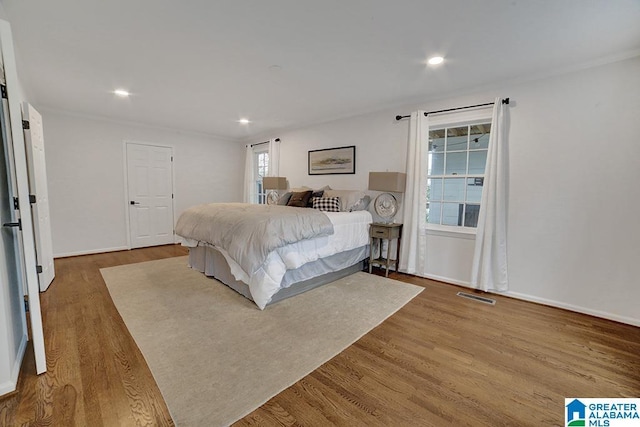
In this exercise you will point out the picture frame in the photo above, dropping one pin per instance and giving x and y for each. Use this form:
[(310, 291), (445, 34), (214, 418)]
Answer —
[(332, 161)]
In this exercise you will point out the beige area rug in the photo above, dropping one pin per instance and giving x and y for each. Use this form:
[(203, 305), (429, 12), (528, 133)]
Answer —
[(216, 357)]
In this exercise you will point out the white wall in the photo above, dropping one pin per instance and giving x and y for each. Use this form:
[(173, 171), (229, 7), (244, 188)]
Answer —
[(85, 167), (574, 167)]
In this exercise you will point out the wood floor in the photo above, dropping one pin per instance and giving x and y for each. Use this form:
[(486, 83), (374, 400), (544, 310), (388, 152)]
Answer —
[(440, 360)]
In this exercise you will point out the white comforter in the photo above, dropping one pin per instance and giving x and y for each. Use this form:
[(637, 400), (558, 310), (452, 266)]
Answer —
[(351, 230), (249, 232)]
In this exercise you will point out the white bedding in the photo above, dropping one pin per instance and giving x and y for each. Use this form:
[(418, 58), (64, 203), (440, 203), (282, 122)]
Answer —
[(351, 230)]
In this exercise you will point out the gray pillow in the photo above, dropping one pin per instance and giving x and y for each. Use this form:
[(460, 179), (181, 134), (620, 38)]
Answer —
[(361, 204), (284, 199)]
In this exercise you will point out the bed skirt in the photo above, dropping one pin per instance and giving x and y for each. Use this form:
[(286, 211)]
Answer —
[(212, 263)]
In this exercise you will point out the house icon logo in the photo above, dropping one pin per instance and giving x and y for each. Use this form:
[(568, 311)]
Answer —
[(576, 413)]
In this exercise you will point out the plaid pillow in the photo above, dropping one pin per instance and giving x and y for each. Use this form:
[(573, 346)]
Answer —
[(316, 193), (327, 204)]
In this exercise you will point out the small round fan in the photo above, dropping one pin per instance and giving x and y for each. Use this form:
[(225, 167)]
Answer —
[(386, 206), (272, 198)]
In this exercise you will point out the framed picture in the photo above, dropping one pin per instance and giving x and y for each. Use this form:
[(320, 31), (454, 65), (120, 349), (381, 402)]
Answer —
[(340, 160)]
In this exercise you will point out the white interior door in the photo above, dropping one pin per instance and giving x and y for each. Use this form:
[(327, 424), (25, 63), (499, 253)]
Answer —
[(16, 139), (150, 190), (34, 140), (13, 327)]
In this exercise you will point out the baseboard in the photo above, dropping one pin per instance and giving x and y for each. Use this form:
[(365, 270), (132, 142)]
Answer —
[(10, 385), (91, 252), (551, 303), (445, 280), (571, 307)]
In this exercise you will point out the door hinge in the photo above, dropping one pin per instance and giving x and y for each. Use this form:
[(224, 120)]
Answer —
[(14, 224), (172, 195), (32, 198), (3, 90), (26, 303), (172, 158), (38, 269), (16, 203), (25, 124)]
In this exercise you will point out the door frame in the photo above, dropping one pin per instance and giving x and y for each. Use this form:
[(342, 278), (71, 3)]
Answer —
[(22, 176), (6, 151), (126, 185)]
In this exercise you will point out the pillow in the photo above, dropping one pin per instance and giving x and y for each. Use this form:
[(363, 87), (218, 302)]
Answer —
[(316, 193), (284, 199), (327, 204), (348, 198), (299, 199), (361, 204)]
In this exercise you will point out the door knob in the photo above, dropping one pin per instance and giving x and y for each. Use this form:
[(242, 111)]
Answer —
[(134, 203)]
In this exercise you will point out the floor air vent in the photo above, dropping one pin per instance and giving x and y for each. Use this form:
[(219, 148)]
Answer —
[(477, 298)]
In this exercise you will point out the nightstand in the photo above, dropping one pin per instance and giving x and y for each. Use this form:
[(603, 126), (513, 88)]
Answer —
[(388, 232)]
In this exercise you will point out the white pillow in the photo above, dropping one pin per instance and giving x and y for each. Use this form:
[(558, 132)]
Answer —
[(349, 199)]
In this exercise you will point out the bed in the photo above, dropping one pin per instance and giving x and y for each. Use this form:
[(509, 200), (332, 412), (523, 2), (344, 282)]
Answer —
[(269, 253)]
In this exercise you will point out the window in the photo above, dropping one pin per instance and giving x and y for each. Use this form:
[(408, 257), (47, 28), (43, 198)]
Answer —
[(261, 164), (457, 157)]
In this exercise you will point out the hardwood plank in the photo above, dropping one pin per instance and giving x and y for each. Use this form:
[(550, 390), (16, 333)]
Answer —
[(440, 360), (96, 374)]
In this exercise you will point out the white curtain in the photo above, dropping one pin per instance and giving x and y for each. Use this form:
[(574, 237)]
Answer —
[(274, 157), (489, 268), (249, 193), (413, 259)]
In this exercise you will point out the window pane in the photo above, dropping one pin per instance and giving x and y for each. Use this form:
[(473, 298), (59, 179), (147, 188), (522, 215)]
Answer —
[(436, 164), (471, 215), (436, 141), (474, 189), (477, 162), (452, 213), (457, 143), (457, 138), (433, 212), (434, 189), (454, 189), (481, 134), (456, 163), (263, 164)]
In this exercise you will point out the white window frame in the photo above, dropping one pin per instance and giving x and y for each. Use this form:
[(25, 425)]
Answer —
[(262, 149), (450, 120)]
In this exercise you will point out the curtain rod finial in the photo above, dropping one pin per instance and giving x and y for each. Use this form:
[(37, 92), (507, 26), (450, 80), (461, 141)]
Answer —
[(398, 117), (505, 101)]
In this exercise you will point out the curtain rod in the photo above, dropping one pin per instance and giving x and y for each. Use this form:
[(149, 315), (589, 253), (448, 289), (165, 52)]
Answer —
[(426, 113), (260, 143)]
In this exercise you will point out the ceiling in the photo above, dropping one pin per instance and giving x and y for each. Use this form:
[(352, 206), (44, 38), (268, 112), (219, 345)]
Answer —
[(200, 65)]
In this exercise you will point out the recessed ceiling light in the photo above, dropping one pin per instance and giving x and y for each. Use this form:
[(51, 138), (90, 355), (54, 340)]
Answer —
[(122, 93), (244, 121), (435, 60)]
